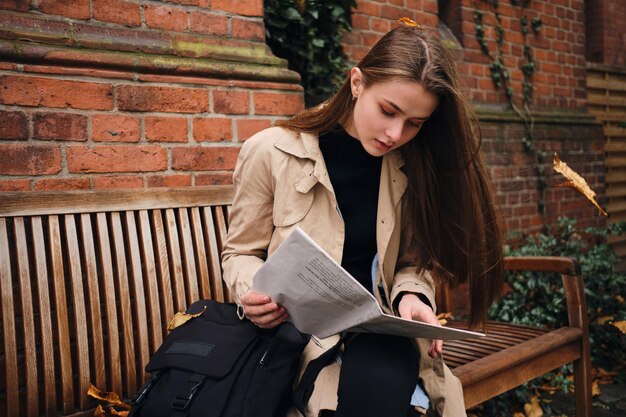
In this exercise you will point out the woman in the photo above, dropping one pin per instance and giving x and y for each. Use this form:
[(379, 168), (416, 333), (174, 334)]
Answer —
[(388, 167)]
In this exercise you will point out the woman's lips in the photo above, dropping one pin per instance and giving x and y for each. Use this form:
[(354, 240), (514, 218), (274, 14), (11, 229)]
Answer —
[(381, 145)]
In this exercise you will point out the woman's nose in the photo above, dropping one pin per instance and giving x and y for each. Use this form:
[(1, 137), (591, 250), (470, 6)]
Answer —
[(394, 131)]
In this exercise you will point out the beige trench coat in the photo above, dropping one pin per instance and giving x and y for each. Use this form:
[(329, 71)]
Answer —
[(281, 182)]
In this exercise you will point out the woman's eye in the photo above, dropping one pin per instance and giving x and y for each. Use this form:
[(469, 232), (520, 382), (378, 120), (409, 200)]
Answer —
[(386, 112), (416, 124)]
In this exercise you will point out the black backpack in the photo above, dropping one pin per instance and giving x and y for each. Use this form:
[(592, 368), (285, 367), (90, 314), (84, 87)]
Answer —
[(217, 365)]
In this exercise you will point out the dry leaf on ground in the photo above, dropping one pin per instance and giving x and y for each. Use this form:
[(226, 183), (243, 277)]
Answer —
[(575, 181), (595, 388), (621, 325), (533, 409), (114, 412), (108, 397), (99, 411), (181, 318)]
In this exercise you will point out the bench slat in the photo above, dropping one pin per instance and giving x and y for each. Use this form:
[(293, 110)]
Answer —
[(213, 252), (221, 229), (8, 324), (62, 321), (200, 254), (77, 297), (176, 271), (93, 293), (188, 258), (140, 323), (28, 321), (110, 303), (150, 282), (125, 322), (163, 268), (41, 271)]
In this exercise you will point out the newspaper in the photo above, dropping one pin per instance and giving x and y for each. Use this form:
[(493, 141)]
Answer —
[(323, 299)]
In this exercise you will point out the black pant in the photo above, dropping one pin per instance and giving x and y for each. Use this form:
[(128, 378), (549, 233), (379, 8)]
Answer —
[(378, 376)]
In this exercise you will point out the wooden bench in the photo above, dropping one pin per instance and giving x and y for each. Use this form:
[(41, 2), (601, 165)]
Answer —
[(90, 279)]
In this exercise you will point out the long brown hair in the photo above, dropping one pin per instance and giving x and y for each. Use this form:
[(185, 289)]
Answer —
[(450, 207)]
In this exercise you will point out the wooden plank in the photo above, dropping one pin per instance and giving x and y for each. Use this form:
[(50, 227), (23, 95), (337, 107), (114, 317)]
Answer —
[(93, 201), (615, 146), (93, 292), (220, 230), (140, 323), (604, 84), (150, 282), (80, 313), (110, 304), (176, 271), (603, 100), (613, 115), (200, 254), (616, 207), (615, 177), (163, 269), (188, 257), (616, 191), (213, 253), (28, 321), (615, 131), (45, 319), (8, 325)]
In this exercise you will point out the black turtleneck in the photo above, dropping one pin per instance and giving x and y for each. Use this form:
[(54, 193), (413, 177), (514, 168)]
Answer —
[(355, 176)]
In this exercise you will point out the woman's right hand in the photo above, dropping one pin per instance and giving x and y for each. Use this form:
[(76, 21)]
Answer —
[(261, 311)]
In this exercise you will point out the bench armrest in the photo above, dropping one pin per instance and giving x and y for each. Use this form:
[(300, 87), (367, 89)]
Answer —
[(572, 281)]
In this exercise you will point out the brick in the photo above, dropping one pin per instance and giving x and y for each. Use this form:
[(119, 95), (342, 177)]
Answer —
[(117, 182), (13, 125), (200, 3), (204, 158), (242, 7), (52, 92), (162, 99), (17, 5), (48, 184), (15, 185), (208, 23), (214, 179), (178, 180), (248, 29), (29, 159), (116, 158), (392, 12), (165, 17), (114, 128), (213, 129), (166, 129), (117, 11), (248, 127), (77, 9), (370, 8), (60, 126), (231, 102), (277, 103)]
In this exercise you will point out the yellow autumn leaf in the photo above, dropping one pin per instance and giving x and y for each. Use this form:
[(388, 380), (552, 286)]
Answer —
[(518, 414), (408, 22), (619, 299), (181, 318), (119, 413), (443, 318), (575, 181), (595, 389), (604, 319), (108, 397), (621, 325), (533, 409), (99, 411)]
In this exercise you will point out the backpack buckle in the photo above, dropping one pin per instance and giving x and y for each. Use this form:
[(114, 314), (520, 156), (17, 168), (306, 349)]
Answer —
[(186, 395)]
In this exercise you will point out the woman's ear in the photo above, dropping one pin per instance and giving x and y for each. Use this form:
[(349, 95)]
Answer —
[(356, 81)]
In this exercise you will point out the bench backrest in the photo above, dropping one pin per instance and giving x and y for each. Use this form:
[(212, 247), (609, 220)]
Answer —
[(89, 281)]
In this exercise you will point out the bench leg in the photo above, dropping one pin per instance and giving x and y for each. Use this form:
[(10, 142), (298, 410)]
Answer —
[(582, 386)]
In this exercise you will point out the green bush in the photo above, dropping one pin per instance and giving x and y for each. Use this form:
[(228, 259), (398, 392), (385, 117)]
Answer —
[(307, 33), (538, 299)]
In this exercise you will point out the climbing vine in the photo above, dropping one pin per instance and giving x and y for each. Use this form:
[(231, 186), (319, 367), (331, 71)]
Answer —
[(500, 75)]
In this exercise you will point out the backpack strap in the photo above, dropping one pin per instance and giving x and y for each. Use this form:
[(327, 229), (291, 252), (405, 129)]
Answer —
[(185, 396), (303, 391), (140, 397)]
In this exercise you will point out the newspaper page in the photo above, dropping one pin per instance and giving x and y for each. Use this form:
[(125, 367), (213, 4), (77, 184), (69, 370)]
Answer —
[(323, 299)]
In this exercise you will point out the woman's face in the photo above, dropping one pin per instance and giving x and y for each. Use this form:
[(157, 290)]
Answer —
[(388, 114)]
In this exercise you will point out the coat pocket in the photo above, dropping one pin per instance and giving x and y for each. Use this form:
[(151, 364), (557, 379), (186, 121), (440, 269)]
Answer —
[(291, 205)]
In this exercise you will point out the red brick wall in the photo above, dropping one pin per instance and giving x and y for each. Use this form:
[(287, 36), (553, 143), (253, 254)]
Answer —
[(606, 32), (143, 94)]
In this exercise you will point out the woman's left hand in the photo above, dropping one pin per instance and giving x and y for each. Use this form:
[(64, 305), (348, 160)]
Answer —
[(412, 308)]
